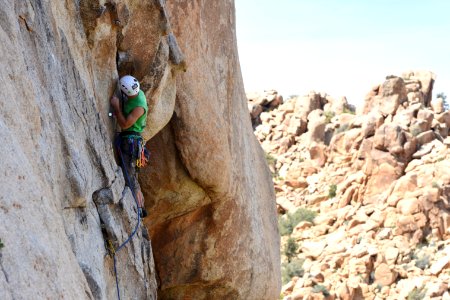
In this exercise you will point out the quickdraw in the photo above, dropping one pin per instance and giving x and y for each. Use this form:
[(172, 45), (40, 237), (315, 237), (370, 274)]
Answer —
[(142, 159), (142, 155)]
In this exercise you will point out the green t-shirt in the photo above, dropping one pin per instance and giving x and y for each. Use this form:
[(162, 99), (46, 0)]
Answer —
[(131, 104)]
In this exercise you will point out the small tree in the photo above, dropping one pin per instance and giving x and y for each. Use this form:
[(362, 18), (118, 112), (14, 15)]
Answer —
[(444, 98), (332, 191), (441, 95)]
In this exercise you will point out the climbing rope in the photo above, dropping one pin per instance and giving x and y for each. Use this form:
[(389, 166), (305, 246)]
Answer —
[(112, 250)]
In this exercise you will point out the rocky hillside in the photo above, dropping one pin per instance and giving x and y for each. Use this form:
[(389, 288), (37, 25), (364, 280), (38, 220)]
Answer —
[(212, 230), (363, 196)]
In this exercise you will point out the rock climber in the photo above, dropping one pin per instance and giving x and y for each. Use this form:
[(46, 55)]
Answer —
[(131, 115)]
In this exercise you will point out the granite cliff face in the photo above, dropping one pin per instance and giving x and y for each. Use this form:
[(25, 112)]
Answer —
[(212, 216), (209, 185)]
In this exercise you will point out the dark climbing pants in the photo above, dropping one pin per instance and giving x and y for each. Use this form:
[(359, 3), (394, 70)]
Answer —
[(129, 148)]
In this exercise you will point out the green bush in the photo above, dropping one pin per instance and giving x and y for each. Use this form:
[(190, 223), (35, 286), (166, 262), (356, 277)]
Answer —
[(285, 225), (1, 244), (291, 269), (417, 293), (270, 159), (441, 95), (444, 97), (328, 116), (318, 288), (423, 262), (332, 191), (304, 214), (290, 249), (287, 222)]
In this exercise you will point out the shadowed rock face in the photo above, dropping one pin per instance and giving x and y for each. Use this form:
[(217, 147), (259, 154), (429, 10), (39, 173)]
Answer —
[(62, 193), (213, 220)]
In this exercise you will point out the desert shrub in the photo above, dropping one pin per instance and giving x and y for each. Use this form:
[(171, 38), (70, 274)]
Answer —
[(318, 288), (284, 225), (423, 262), (441, 95), (329, 115), (291, 269), (332, 191), (304, 214), (417, 293), (270, 159), (287, 222), (290, 249), (348, 111), (1, 244)]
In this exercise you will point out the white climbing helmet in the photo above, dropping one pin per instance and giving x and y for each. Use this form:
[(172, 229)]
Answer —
[(129, 85)]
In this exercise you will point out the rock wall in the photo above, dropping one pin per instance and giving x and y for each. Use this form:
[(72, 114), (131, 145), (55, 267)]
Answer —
[(62, 193), (208, 187)]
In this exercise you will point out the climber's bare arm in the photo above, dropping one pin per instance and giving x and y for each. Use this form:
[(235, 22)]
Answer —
[(127, 122)]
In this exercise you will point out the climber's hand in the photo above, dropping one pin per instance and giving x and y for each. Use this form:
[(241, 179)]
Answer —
[(115, 102), (140, 199)]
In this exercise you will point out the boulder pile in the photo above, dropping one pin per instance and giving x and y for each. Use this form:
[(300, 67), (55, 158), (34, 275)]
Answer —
[(375, 184), (259, 102)]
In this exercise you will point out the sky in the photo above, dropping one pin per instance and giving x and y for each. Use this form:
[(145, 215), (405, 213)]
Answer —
[(342, 48)]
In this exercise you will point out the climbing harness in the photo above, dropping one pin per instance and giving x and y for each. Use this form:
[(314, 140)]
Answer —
[(113, 251), (136, 148)]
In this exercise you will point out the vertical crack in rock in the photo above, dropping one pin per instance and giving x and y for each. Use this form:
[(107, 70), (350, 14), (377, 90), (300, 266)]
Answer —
[(3, 270), (90, 10), (5, 275), (118, 216)]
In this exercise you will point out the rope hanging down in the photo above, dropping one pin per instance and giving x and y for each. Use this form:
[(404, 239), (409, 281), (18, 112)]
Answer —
[(114, 251)]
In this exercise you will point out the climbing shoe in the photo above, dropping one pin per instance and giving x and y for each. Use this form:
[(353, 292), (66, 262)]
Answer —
[(143, 213)]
